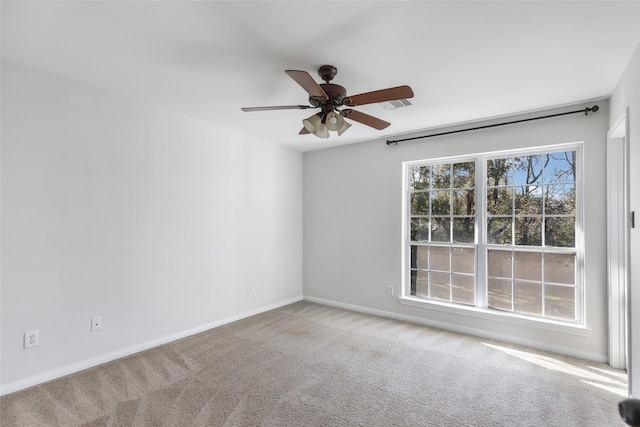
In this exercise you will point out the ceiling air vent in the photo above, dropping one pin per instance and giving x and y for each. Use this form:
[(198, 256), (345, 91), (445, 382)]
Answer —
[(392, 105)]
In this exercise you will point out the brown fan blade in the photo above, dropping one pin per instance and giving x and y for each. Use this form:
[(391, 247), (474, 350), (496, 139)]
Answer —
[(303, 131), (305, 80), (391, 94), (279, 107), (365, 119)]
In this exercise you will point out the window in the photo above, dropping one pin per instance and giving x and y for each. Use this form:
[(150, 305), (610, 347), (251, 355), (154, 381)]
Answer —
[(442, 208), (497, 232)]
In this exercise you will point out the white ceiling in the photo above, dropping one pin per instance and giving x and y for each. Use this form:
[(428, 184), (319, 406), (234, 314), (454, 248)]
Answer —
[(464, 60)]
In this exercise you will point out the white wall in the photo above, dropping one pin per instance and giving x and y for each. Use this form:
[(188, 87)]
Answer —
[(627, 95), (154, 221), (352, 226)]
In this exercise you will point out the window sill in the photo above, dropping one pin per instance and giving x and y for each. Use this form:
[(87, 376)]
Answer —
[(498, 316)]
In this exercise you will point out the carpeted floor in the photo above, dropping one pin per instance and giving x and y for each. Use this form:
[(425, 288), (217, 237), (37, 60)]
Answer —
[(311, 365)]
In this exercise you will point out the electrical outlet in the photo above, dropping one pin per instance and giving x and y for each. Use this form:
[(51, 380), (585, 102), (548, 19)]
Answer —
[(249, 289), (96, 323), (390, 290), (31, 338)]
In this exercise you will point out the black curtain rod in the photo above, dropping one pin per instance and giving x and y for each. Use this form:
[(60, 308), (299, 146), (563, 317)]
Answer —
[(586, 111)]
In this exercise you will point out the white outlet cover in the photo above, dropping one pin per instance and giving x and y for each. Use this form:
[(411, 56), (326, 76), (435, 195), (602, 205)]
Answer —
[(31, 338)]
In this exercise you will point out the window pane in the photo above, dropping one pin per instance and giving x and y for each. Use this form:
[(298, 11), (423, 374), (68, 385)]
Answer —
[(419, 229), (499, 263), (441, 176), (561, 167), (560, 232), (463, 260), (440, 288), (419, 203), (420, 257), (527, 298), (528, 200), (499, 231), (419, 178), (420, 283), (528, 231), (464, 230), (439, 258), (499, 292), (464, 202), (440, 230), (560, 268), (527, 170), (560, 199), (441, 202), (464, 174), (499, 172), (462, 289), (559, 302), (500, 201), (528, 265)]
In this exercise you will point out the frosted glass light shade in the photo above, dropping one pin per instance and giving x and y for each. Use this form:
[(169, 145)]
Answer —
[(344, 127), (321, 131), (313, 122), (335, 121)]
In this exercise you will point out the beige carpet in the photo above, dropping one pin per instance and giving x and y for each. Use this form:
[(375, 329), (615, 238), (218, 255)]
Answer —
[(310, 365)]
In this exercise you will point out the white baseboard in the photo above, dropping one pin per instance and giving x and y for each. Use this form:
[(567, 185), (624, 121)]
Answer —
[(109, 357), (464, 330)]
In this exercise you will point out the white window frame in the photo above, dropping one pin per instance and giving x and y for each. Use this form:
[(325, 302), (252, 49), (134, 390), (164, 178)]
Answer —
[(480, 310)]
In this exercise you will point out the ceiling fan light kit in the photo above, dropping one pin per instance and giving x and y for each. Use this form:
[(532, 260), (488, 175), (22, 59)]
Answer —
[(329, 97)]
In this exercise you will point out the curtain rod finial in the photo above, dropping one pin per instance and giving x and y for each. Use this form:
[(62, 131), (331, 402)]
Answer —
[(595, 108)]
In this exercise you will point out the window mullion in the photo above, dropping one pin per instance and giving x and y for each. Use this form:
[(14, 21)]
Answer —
[(481, 234)]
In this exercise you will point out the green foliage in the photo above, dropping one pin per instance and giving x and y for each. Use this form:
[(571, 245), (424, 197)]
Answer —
[(419, 178), (524, 190), (444, 196)]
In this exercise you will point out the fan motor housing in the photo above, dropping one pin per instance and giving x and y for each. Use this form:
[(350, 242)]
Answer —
[(335, 95)]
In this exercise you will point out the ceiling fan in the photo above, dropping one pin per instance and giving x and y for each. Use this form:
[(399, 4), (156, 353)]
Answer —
[(329, 97)]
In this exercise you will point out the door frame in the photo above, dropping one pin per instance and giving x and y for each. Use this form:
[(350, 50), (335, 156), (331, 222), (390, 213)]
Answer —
[(618, 243)]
